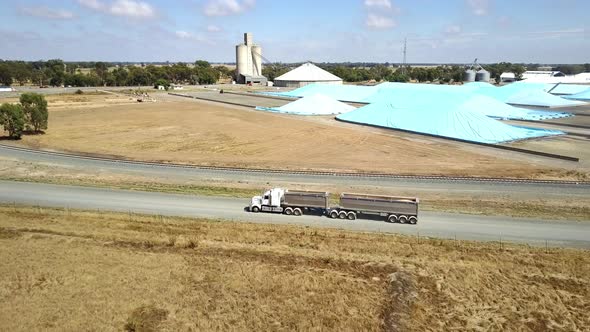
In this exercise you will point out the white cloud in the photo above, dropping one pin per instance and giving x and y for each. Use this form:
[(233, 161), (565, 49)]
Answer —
[(379, 22), (45, 12), (227, 7), (378, 3), (92, 4), (213, 28), (183, 34), (132, 8), (479, 7), (453, 29), (127, 8), (191, 37)]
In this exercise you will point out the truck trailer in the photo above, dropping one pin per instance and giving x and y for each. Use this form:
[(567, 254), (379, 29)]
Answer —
[(351, 206), (392, 208)]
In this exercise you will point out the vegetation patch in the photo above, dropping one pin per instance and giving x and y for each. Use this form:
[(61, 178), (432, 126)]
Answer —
[(145, 319), (138, 273)]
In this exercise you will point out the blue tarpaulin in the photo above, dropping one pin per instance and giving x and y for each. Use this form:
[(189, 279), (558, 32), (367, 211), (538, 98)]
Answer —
[(312, 105), (524, 95), (584, 95), (448, 118)]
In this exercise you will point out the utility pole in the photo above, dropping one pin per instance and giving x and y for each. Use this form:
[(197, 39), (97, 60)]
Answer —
[(404, 53)]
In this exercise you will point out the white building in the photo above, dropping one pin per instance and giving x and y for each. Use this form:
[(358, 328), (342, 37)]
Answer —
[(305, 74), (540, 74), (249, 62), (507, 78), (555, 77)]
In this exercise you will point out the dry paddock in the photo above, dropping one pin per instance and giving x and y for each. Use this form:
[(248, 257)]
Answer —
[(70, 270), (176, 129)]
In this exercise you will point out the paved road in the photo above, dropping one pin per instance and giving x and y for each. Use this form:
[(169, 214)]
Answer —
[(444, 225), (464, 187)]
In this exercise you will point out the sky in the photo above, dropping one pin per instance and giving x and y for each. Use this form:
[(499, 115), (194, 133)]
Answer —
[(437, 31)]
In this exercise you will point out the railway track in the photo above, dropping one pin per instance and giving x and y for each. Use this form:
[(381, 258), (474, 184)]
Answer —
[(299, 172)]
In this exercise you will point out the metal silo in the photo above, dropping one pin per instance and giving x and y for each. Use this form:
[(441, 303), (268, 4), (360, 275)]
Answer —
[(242, 60), (469, 75), (257, 60), (482, 75)]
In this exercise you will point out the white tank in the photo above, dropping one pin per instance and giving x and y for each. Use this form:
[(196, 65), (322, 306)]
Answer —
[(257, 60), (242, 60), (482, 75), (469, 75)]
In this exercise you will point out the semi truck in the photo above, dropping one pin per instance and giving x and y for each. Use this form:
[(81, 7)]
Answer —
[(393, 209)]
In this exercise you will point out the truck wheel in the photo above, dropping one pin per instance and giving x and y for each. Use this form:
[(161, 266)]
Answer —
[(392, 218), (297, 212), (351, 215), (342, 215), (333, 214), (255, 209), (403, 219), (288, 211), (413, 220)]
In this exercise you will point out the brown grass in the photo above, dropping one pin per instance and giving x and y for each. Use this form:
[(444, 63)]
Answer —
[(187, 131), (69, 270)]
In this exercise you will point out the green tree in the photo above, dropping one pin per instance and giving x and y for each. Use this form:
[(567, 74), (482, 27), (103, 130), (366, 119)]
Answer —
[(206, 75), (55, 71), (34, 107), (121, 75), (13, 119), (5, 74), (163, 83), (202, 64), (101, 69)]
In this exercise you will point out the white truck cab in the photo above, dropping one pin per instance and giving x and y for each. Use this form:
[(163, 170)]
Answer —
[(270, 201)]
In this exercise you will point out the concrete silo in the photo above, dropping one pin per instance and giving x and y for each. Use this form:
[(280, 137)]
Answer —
[(257, 60), (242, 60), (249, 62)]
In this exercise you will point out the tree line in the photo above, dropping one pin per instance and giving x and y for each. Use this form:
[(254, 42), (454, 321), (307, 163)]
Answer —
[(363, 72), (29, 115), (58, 73)]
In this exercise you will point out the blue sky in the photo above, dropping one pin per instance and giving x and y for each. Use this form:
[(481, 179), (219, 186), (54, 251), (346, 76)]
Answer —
[(455, 31)]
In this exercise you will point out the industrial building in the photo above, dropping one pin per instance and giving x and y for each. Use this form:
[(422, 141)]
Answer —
[(249, 62), (305, 74)]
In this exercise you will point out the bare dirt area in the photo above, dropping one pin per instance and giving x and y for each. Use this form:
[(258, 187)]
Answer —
[(188, 131), (71, 270)]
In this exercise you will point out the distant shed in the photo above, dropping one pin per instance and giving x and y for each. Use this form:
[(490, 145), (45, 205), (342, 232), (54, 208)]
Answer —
[(305, 74)]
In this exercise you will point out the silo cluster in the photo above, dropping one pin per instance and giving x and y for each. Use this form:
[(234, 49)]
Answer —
[(481, 75), (248, 61)]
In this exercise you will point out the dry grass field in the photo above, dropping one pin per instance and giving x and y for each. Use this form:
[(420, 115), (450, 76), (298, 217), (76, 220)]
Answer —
[(70, 270), (187, 131)]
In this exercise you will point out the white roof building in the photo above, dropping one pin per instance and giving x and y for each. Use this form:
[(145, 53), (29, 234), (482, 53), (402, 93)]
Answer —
[(555, 77), (305, 74), (507, 77)]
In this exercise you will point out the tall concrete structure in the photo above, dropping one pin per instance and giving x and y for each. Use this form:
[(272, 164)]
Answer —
[(249, 62)]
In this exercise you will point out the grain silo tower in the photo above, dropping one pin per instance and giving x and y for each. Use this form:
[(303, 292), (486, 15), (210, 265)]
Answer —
[(249, 62), (482, 75), (469, 75)]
